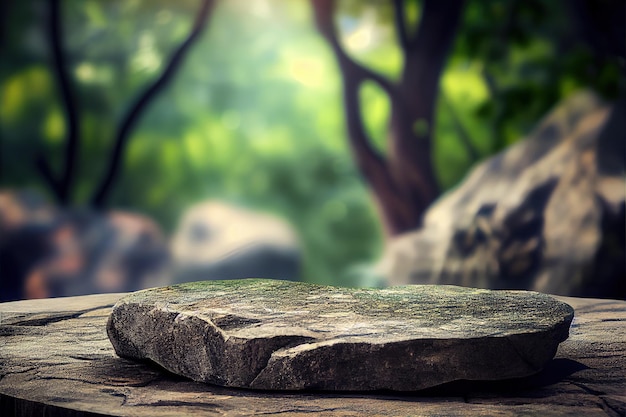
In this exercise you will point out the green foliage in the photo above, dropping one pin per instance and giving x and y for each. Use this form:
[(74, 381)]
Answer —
[(376, 112), (255, 114), (530, 56)]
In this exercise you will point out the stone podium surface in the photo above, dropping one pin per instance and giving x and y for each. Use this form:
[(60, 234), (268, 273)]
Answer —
[(284, 335), (56, 360)]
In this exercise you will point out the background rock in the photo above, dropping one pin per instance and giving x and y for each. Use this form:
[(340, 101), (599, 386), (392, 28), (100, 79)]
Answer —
[(47, 251), (216, 240), (547, 214), (26, 221), (281, 335), (50, 251)]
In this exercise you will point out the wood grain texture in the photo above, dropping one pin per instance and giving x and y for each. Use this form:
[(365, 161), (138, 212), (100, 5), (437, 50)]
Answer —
[(56, 360)]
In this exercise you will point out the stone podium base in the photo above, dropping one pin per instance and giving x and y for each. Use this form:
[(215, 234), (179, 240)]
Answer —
[(56, 360)]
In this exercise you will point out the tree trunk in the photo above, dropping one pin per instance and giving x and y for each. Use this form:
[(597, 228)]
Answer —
[(404, 183)]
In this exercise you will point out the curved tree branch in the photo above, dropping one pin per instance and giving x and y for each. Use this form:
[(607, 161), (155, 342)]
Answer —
[(404, 181), (135, 112), (498, 47), (464, 136), (46, 172), (372, 165), (400, 20), (353, 74), (323, 11), (64, 186)]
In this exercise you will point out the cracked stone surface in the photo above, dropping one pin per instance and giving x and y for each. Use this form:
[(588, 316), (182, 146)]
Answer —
[(56, 359), (279, 335)]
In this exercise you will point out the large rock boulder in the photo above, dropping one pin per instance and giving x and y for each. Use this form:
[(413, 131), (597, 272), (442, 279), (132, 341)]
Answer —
[(100, 252), (547, 214), (48, 251), (281, 335), (217, 240)]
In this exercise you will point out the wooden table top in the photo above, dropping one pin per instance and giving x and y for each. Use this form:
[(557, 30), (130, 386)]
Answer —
[(56, 360)]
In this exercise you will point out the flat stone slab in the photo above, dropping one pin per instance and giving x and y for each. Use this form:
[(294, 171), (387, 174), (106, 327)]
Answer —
[(280, 335)]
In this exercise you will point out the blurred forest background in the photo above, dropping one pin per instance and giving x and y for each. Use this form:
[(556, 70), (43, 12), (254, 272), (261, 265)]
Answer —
[(254, 113)]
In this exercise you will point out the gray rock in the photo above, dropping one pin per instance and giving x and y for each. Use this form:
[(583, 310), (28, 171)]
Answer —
[(280, 335), (49, 251), (547, 214), (216, 240)]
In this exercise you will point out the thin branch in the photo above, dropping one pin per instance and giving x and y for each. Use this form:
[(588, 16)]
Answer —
[(44, 169), (464, 136), (323, 10), (364, 73), (501, 42), (353, 74), (374, 167), (400, 20), (499, 48), (5, 10), (371, 163), (144, 100), (369, 160), (64, 185), (497, 120)]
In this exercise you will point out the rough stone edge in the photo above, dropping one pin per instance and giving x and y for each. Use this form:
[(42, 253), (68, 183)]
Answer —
[(269, 359)]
